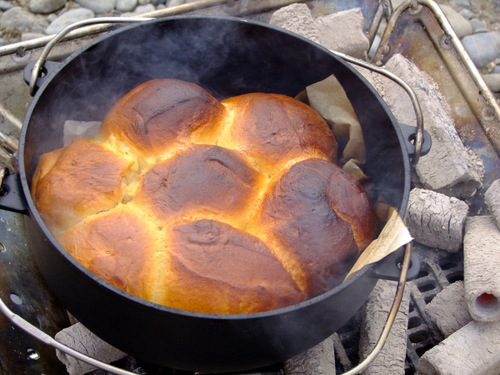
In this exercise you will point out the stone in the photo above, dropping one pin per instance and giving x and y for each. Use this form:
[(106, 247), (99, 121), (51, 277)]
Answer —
[(125, 5), (140, 9), (448, 309), (343, 32), (482, 47), (5, 5), (298, 19), (492, 80), (461, 3), (436, 220), (31, 35), (46, 6), (467, 13), (478, 26), (98, 6), (20, 19), (68, 18), (460, 24), (481, 265)]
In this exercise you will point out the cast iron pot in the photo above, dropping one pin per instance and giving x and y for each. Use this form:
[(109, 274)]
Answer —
[(227, 57)]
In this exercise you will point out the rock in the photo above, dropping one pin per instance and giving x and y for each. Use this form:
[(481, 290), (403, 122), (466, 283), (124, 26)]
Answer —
[(126, 5), (173, 3), (3, 42), (31, 35), (461, 3), (144, 2), (141, 9), (459, 23), (492, 80), (483, 47), (343, 32), (20, 19), (68, 18), (98, 6), (5, 5), (45, 6), (478, 26), (467, 13), (298, 19)]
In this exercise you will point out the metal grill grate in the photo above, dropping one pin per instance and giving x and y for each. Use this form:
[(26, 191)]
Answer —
[(439, 269)]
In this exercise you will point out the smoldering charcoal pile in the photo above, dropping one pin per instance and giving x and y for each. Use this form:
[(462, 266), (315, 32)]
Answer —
[(438, 216)]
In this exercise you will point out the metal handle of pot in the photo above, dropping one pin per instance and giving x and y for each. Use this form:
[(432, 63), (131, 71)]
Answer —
[(37, 68), (391, 317), (46, 339), (419, 136)]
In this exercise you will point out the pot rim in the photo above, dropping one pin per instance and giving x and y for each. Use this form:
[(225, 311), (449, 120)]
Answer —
[(33, 212)]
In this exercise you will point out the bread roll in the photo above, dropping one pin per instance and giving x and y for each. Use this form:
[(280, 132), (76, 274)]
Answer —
[(217, 207)]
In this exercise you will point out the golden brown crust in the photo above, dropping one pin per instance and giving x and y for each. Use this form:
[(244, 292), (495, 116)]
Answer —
[(161, 113), (78, 180), (274, 129), (216, 208), (300, 215), (201, 178), (220, 269), (120, 247)]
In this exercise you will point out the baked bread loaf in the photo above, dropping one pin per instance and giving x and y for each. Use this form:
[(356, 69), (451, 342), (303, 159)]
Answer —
[(223, 207)]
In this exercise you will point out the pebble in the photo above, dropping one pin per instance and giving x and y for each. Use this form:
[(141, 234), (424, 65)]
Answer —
[(483, 47), (67, 18), (98, 6), (125, 5), (46, 6), (478, 26), (20, 19), (460, 24), (5, 5), (492, 80)]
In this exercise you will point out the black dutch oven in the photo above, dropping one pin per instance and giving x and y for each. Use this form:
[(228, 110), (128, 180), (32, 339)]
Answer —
[(227, 57)]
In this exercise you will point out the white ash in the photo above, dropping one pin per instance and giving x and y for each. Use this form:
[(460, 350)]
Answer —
[(319, 360), (81, 339), (448, 309), (492, 200), (391, 359), (298, 19), (448, 168), (436, 220), (472, 350), (481, 268)]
